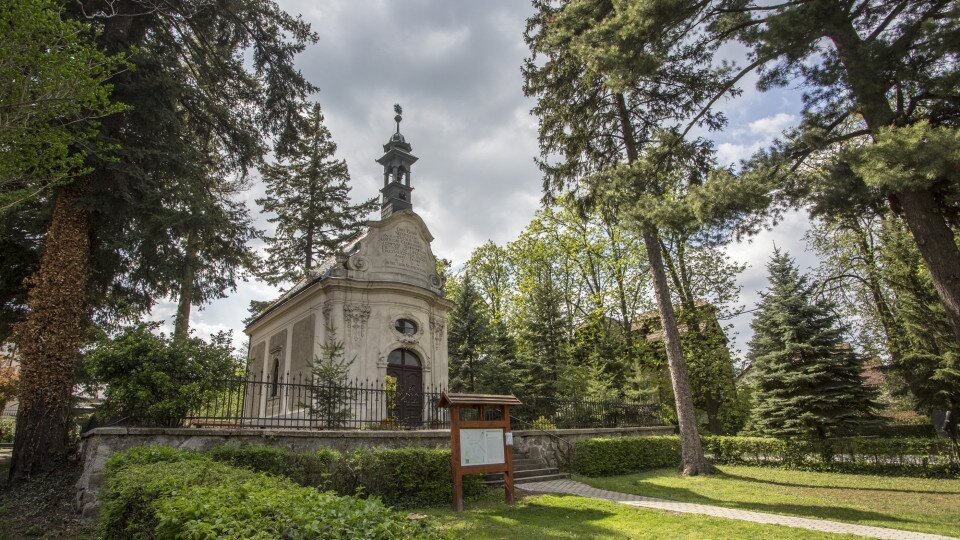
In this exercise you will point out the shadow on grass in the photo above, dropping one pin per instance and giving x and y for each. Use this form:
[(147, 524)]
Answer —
[(530, 517), (814, 486), (837, 513)]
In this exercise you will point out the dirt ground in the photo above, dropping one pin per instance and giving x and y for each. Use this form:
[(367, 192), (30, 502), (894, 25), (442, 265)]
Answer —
[(41, 507)]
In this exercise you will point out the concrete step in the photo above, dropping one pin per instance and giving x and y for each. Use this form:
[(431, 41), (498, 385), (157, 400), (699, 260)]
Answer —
[(526, 463), (543, 478), (534, 472)]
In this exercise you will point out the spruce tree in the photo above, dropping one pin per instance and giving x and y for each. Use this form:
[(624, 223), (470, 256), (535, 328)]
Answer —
[(542, 345), (808, 381), (330, 398), (308, 191), (468, 336)]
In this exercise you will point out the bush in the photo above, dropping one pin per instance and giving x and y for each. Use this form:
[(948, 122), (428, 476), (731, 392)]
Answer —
[(305, 469), (165, 493), (894, 456), (152, 379), (621, 455), (8, 428), (403, 477)]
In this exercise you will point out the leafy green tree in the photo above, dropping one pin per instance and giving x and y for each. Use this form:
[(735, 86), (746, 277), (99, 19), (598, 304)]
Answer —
[(330, 399), (610, 87), (207, 78), (491, 267), (881, 74), (150, 378), (808, 380), (308, 191), (54, 89), (468, 337)]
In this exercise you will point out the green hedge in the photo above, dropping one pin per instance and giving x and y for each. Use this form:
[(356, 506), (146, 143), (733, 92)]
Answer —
[(403, 477), (155, 493), (8, 429), (894, 456), (620, 455)]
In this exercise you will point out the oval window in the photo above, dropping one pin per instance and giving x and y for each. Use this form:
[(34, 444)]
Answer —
[(405, 327)]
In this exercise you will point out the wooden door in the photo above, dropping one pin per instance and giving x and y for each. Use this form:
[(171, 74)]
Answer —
[(404, 366)]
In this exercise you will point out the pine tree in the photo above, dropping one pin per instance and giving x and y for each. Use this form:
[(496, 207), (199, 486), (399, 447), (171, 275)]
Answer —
[(308, 191), (808, 380), (468, 336), (330, 398)]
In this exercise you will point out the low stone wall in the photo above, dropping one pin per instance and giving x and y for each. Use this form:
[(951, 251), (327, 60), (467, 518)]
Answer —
[(99, 444)]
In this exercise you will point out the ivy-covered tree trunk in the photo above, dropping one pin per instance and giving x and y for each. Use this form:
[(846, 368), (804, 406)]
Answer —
[(49, 338)]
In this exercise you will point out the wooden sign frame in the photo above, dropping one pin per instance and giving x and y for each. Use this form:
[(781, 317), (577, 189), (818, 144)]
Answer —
[(482, 403)]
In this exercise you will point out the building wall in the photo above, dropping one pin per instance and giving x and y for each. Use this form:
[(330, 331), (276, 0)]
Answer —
[(387, 274)]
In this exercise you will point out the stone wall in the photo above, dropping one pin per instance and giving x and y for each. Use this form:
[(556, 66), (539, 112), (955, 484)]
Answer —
[(99, 444)]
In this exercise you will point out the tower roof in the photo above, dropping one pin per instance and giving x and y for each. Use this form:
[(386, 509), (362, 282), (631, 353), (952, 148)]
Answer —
[(396, 160)]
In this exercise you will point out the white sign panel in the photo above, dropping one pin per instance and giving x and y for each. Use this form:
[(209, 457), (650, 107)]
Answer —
[(508, 439), (481, 446)]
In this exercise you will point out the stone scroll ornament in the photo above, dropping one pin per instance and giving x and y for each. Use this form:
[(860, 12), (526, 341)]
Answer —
[(356, 317)]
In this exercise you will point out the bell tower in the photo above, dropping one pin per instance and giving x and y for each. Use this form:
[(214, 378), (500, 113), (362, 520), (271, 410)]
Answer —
[(396, 162)]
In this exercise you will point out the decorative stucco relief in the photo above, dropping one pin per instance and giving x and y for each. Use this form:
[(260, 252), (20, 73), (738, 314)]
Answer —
[(437, 326), (355, 317)]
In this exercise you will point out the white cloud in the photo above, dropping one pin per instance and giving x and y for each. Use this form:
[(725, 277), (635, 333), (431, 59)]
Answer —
[(772, 126)]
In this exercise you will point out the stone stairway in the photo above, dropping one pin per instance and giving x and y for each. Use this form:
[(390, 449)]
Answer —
[(526, 470)]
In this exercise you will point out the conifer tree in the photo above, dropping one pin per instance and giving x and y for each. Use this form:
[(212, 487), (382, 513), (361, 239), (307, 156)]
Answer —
[(330, 398), (308, 191), (468, 336), (542, 345), (807, 378), (498, 371), (221, 72)]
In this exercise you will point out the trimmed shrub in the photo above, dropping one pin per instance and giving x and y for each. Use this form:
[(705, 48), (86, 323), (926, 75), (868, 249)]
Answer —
[(277, 509), (893, 456), (599, 457), (305, 469), (165, 493), (403, 477), (128, 507)]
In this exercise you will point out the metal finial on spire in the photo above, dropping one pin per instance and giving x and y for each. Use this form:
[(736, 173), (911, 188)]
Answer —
[(399, 110)]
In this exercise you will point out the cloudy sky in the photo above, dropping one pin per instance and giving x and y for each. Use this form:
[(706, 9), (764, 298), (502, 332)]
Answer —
[(454, 66)]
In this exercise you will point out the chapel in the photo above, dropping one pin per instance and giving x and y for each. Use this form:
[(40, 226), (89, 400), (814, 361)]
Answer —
[(381, 295)]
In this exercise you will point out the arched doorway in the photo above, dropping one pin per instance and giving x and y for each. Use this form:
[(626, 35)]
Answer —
[(405, 367)]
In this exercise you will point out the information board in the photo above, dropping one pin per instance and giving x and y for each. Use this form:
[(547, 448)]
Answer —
[(481, 447)]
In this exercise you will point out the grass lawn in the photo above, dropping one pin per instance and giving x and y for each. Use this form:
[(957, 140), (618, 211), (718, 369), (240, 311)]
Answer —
[(564, 516), (916, 504)]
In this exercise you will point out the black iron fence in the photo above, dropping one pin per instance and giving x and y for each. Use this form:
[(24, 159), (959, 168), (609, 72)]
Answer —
[(300, 402)]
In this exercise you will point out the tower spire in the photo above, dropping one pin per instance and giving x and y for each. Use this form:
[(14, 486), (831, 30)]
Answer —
[(396, 162)]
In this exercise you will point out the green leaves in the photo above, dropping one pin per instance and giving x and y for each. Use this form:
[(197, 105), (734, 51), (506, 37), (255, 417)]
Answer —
[(154, 379), (54, 90)]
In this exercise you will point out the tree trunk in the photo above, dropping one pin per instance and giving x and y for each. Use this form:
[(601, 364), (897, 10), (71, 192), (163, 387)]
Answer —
[(938, 248), (49, 339), (181, 325), (920, 208), (691, 450)]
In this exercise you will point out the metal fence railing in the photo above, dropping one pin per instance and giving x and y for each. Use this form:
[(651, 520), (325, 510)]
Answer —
[(299, 402)]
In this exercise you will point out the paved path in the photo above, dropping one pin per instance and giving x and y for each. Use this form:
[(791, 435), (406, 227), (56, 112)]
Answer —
[(570, 487)]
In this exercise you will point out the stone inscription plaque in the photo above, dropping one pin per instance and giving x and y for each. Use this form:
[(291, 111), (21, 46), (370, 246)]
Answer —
[(402, 247)]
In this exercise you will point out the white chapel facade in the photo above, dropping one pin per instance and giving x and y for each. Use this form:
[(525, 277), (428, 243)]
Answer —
[(382, 295)]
